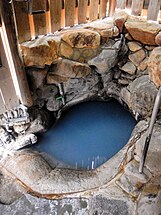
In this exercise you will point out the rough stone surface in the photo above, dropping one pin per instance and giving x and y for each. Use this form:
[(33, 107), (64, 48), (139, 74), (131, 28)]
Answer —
[(129, 67), (36, 77), (137, 57), (110, 206), (27, 172), (39, 206), (104, 61), (120, 17), (40, 121), (142, 31), (68, 69), (149, 202), (140, 96), (10, 190), (134, 46), (153, 160), (40, 52), (35, 172), (104, 27), (81, 38), (132, 181), (77, 54), (66, 50), (158, 39), (154, 66), (81, 85), (143, 65)]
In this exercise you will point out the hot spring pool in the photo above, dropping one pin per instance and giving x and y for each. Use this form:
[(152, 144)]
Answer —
[(88, 134)]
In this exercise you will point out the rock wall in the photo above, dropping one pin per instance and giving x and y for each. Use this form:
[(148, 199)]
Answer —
[(116, 57)]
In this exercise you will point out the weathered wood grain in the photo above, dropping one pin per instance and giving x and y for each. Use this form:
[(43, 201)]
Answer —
[(8, 21), (137, 6), (103, 8), (9, 98), (128, 4), (55, 14), (39, 19), (120, 4), (82, 11), (112, 6), (69, 12), (2, 105), (22, 21), (93, 14), (153, 9)]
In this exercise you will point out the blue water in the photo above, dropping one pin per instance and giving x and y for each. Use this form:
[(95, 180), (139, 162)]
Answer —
[(88, 134)]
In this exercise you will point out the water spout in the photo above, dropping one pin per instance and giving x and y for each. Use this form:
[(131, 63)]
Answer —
[(150, 129)]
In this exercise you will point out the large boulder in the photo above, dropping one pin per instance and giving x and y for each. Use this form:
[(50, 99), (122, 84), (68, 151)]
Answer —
[(140, 96), (79, 44), (158, 39), (105, 27), (36, 77), (81, 38), (105, 60), (40, 52), (154, 66), (120, 17), (66, 69), (142, 30)]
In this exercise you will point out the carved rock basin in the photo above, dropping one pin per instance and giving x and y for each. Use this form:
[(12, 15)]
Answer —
[(88, 134)]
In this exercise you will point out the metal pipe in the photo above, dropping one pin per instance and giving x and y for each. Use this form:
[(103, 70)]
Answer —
[(61, 90), (150, 129)]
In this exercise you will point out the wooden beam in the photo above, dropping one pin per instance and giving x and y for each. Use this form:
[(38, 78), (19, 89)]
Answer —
[(39, 19), (22, 21), (121, 4), (19, 72), (82, 11), (128, 4), (8, 92), (55, 14), (103, 8), (112, 6), (93, 14), (153, 9), (69, 12), (137, 6)]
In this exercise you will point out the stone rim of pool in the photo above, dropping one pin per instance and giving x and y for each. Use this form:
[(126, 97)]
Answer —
[(92, 122)]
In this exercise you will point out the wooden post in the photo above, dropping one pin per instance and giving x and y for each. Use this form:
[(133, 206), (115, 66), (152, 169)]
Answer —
[(8, 95), (18, 72), (153, 9), (121, 4), (69, 12), (128, 4), (22, 21), (103, 8), (82, 11), (137, 6), (39, 19), (55, 14), (93, 14), (112, 5)]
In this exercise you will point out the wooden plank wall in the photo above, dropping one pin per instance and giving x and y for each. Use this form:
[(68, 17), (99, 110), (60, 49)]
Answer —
[(8, 97), (63, 13)]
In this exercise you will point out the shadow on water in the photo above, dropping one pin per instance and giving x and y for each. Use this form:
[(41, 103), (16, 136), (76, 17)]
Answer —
[(88, 134)]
